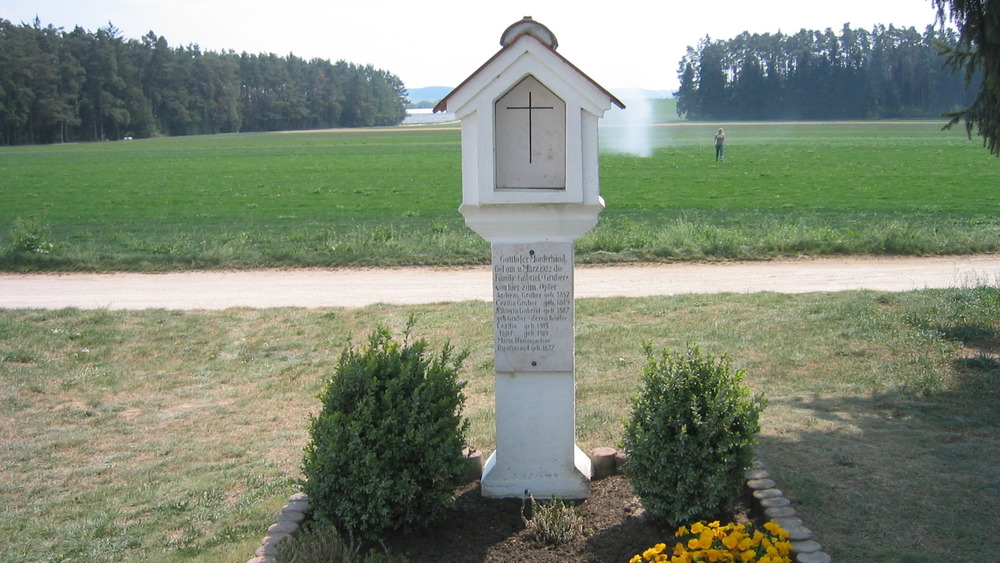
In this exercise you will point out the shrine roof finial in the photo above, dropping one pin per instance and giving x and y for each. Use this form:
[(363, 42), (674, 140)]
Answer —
[(530, 27)]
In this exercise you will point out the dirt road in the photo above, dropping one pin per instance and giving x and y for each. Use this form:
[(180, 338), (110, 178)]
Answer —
[(360, 287)]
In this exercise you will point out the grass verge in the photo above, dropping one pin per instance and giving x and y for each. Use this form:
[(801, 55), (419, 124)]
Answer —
[(167, 436)]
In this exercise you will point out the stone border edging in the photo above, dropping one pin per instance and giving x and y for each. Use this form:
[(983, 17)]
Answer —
[(760, 488), (285, 525), (773, 504)]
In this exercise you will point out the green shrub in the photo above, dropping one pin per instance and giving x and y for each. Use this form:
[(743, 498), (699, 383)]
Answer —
[(386, 449), (324, 544), (315, 545), (551, 522), (29, 237), (691, 435)]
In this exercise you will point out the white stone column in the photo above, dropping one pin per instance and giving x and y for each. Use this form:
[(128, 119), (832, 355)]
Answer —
[(534, 357)]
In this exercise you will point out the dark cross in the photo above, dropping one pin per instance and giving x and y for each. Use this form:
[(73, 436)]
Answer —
[(530, 108)]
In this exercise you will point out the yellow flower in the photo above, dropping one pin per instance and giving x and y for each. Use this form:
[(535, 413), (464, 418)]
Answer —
[(735, 544), (718, 555), (776, 530), (731, 541)]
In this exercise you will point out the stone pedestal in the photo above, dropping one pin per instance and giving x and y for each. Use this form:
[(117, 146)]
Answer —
[(536, 439)]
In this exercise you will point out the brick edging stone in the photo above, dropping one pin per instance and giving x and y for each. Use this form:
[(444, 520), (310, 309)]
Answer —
[(285, 525), (773, 504)]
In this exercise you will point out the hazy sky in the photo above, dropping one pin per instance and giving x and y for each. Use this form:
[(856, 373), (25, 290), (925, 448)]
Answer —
[(619, 44)]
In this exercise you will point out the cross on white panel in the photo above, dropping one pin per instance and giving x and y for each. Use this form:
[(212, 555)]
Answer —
[(530, 137)]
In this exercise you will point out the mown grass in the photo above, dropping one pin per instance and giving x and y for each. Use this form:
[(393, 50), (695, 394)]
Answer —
[(167, 436), (236, 200), (799, 189), (390, 197)]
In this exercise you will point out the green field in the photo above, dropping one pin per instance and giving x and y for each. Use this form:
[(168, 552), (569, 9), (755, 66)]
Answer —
[(390, 197)]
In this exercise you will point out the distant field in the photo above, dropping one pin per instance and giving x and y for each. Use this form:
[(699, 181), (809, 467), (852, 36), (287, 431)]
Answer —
[(390, 197)]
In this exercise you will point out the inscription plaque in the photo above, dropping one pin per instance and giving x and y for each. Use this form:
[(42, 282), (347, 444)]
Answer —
[(533, 307)]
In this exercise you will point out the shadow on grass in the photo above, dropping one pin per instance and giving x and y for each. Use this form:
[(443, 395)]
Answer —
[(895, 477)]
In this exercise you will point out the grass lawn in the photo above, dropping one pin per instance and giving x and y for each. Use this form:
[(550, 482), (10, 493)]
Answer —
[(390, 197), (173, 436)]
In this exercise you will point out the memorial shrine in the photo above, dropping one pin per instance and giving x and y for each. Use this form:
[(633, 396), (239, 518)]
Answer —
[(530, 187)]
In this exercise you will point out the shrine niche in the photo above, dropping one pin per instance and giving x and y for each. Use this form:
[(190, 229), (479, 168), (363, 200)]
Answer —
[(530, 132)]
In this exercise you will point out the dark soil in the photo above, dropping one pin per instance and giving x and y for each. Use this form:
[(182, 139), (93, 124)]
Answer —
[(492, 530)]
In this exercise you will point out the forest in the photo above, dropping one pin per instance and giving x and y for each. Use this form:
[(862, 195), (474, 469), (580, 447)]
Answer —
[(888, 72), (58, 86)]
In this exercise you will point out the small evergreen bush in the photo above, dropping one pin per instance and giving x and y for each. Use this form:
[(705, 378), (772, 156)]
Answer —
[(551, 522), (315, 545), (324, 544), (29, 237), (386, 449), (691, 435)]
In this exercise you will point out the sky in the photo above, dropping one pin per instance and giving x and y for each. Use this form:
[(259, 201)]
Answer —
[(620, 44)]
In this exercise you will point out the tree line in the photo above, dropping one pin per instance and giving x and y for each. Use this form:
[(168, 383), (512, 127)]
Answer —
[(888, 72), (58, 86)]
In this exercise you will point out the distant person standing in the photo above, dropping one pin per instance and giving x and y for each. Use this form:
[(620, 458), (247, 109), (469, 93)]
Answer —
[(720, 145)]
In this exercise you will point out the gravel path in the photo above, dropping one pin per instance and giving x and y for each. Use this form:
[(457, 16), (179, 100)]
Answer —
[(360, 287)]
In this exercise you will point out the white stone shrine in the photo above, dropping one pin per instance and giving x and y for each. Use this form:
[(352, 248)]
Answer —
[(530, 187)]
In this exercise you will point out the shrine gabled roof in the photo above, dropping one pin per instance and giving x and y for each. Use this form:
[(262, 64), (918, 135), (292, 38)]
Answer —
[(521, 29)]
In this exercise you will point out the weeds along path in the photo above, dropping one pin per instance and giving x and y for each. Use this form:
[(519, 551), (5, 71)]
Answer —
[(360, 287)]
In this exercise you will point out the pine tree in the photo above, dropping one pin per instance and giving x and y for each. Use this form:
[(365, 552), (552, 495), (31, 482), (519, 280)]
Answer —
[(978, 50)]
